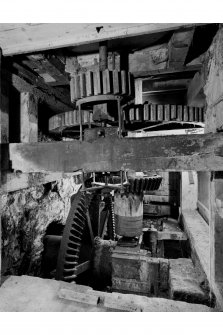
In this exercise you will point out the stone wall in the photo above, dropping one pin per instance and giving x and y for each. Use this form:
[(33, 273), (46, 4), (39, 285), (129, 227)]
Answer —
[(25, 216), (213, 88)]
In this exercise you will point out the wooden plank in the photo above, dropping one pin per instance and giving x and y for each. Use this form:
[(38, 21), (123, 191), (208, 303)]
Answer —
[(24, 38), (28, 118), (178, 47), (48, 96), (148, 73), (172, 153)]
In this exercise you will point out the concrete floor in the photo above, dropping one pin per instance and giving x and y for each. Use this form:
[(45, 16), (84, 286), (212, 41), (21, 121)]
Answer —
[(25, 293)]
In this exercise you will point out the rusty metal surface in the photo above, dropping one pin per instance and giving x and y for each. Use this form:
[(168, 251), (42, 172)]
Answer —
[(171, 153)]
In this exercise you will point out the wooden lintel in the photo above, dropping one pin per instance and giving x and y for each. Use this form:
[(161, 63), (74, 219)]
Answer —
[(167, 153), (22, 86), (27, 38)]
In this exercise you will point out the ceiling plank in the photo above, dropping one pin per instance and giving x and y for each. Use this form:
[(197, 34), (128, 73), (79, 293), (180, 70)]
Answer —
[(178, 47), (27, 38), (165, 153)]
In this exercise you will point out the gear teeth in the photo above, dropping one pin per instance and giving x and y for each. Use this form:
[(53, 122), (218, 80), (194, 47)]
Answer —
[(138, 185), (112, 216), (75, 231), (78, 223), (71, 263), (70, 278)]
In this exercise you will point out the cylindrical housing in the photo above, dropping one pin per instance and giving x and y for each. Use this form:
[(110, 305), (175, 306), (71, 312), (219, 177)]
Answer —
[(128, 211)]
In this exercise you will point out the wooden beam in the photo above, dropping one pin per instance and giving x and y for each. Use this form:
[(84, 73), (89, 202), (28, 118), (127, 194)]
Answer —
[(167, 71), (25, 38), (48, 97), (149, 59), (29, 118), (178, 47), (172, 153), (152, 85)]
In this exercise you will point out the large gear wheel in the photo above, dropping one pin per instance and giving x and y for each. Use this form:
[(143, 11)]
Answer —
[(82, 225), (75, 235)]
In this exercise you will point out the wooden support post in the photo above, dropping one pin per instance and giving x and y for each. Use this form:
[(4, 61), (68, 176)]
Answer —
[(29, 118), (216, 227)]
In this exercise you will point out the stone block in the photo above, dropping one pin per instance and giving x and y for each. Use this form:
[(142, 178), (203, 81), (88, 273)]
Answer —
[(184, 282)]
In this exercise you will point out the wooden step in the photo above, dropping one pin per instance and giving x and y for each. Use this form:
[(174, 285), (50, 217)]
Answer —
[(184, 282)]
